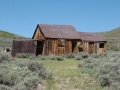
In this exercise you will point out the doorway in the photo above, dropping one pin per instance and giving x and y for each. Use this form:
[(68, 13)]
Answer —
[(39, 49), (91, 47), (74, 43)]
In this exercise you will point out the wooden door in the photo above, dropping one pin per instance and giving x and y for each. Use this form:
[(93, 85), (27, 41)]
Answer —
[(91, 47)]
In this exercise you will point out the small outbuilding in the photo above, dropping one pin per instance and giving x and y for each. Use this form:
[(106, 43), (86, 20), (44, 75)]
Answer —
[(92, 43), (25, 46)]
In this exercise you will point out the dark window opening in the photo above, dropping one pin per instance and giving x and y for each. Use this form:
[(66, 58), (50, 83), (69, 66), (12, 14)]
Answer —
[(101, 45)]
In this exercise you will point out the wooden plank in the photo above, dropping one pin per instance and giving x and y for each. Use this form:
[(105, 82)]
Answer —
[(70, 46), (85, 46), (94, 47), (57, 47), (88, 47), (62, 50), (54, 46), (50, 46), (66, 46)]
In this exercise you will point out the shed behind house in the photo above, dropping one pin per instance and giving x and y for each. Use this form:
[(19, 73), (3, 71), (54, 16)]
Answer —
[(92, 42)]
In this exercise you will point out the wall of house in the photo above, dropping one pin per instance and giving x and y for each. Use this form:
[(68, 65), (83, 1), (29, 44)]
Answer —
[(23, 46), (59, 46), (38, 34), (94, 47), (101, 47)]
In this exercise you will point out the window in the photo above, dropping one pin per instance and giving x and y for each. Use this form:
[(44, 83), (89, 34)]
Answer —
[(101, 45)]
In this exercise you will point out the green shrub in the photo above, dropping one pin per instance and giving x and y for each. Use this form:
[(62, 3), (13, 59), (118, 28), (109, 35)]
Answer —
[(22, 75), (106, 68), (9, 78), (59, 58), (71, 55), (78, 57), (88, 60), (84, 54), (40, 57), (54, 57), (89, 88), (25, 55), (51, 57), (95, 55), (38, 68), (4, 57), (31, 83), (32, 57), (80, 65), (4, 87), (104, 81)]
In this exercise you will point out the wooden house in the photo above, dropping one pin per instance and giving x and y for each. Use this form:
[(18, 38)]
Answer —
[(92, 43), (59, 40), (49, 39)]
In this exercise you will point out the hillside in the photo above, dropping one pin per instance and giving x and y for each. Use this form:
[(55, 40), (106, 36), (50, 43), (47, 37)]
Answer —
[(6, 38), (113, 39), (113, 33)]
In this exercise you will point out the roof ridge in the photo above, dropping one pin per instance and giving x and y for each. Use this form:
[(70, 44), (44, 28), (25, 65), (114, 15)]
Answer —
[(56, 24)]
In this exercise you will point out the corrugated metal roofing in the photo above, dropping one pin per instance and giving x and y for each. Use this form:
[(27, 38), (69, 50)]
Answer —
[(85, 36), (59, 31)]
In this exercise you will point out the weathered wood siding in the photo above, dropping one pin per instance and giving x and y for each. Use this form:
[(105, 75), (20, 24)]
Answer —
[(38, 34), (93, 47), (101, 49), (25, 46), (54, 46)]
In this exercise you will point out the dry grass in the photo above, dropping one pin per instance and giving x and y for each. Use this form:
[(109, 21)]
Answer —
[(66, 76)]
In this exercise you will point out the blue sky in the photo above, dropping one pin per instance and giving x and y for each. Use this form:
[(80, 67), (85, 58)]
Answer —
[(22, 16)]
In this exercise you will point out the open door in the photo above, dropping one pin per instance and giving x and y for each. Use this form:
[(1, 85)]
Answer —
[(39, 49), (74, 47)]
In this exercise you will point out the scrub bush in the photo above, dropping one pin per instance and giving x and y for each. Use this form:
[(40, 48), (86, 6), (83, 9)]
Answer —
[(59, 58), (78, 57), (106, 68), (25, 55), (83, 54), (5, 57), (40, 57), (22, 75), (51, 57), (70, 55), (4, 87)]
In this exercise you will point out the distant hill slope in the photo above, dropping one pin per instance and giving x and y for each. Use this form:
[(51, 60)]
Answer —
[(113, 39), (113, 33), (6, 38)]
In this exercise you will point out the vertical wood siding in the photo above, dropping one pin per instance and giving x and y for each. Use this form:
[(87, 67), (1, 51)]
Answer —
[(38, 34), (93, 47), (23, 47)]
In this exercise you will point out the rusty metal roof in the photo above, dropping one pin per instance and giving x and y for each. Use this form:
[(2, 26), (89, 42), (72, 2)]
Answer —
[(95, 37), (59, 31)]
